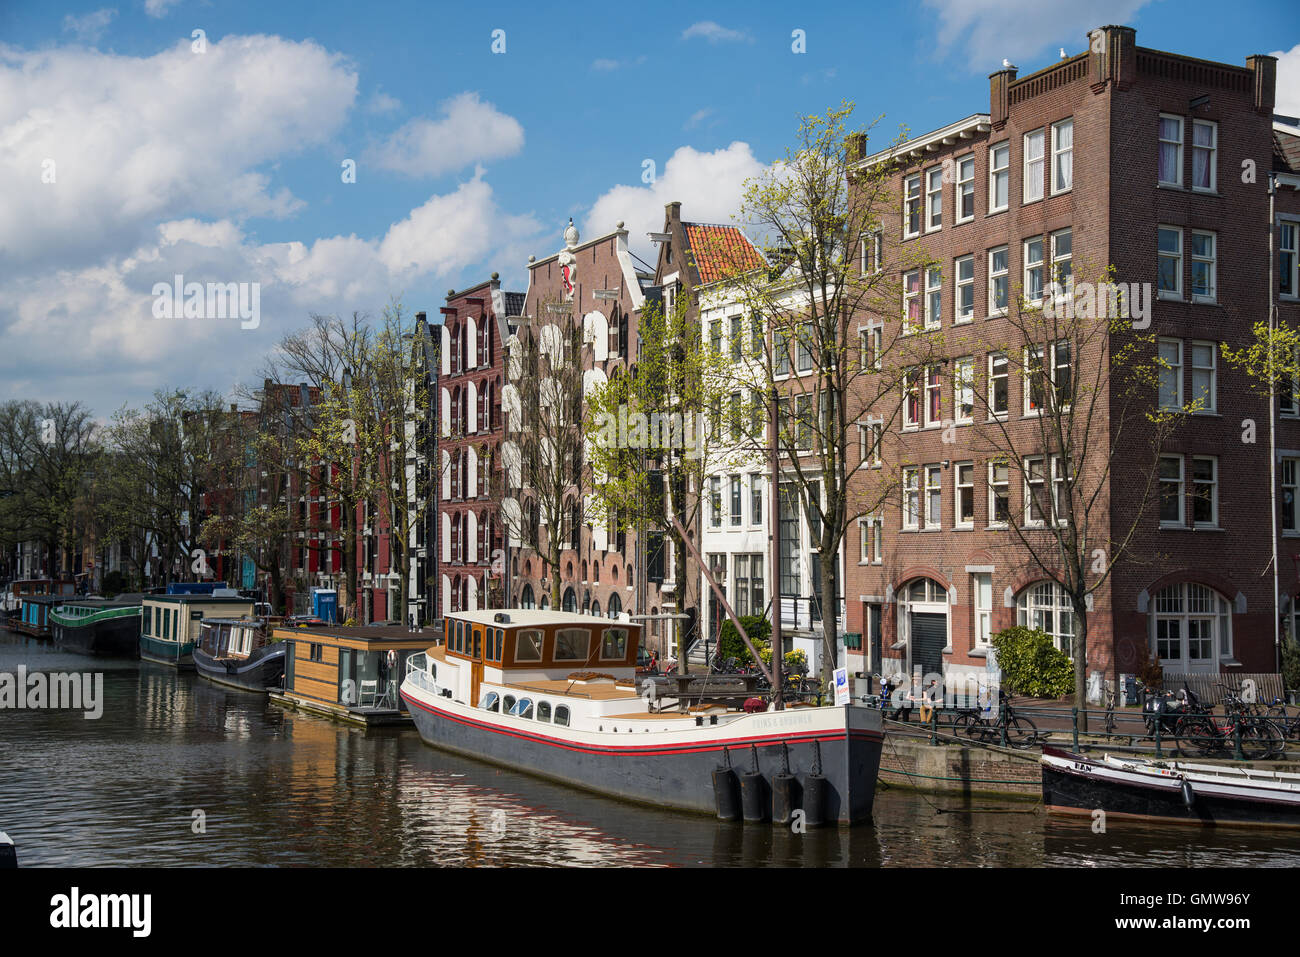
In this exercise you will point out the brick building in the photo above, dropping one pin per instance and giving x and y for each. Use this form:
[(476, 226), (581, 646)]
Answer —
[(1121, 156)]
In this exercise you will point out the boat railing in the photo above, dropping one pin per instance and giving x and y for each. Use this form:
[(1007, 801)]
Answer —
[(418, 674)]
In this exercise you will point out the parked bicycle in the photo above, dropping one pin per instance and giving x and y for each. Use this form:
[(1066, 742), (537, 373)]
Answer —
[(1204, 733), (1020, 731)]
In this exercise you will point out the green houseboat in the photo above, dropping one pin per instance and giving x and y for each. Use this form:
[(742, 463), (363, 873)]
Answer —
[(98, 626), (169, 624)]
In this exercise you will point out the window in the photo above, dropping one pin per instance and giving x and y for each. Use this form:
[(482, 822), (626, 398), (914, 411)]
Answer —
[(1062, 254), (572, 644), (912, 206), (1288, 260), (1033, 249), (715, 337), (873, 347), (998, 281), (963, 389), (1062, 374), (523, 708), (1290, 485), (982, 595), (934, 199), (911, 497), (1289, 391), (873, 252), (781, 353), (1033, 184), (715, 500), (933, 297), (735, 500), (528, 645), (736, 339), (736, 420), (1046, 607), (1205, 491), (933, 497), (1203, 267), (748, 586), (1062, 156), (999, 378), (871, 533), (1034, 380), (803, 347), (1171, 151), (803, 420), (1205, 141), (911, 399), (965, 194), (613, 644), (999, 494), (911, 300), (1191, 626), (756, 332), (1171, 373), (869, 434), (933, 397), (1171, 490), (1169, 273), (543, 711), (1203, 385), (964, 300), (1035, 491), (965, 497), (491, 702), (1056, 372), (999, 176)]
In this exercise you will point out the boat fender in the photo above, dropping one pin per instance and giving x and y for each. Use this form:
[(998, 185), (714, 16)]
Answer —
[(726, 790), (1189, 796), (815, 788), (784, 788), (753, 791)]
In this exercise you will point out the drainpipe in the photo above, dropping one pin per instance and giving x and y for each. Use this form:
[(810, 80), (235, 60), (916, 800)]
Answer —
[(1272, 430)]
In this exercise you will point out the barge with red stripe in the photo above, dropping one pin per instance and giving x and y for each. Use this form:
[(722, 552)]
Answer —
[(555, 694)]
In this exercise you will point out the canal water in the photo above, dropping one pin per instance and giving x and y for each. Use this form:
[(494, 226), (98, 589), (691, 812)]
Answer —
[(178, 772)]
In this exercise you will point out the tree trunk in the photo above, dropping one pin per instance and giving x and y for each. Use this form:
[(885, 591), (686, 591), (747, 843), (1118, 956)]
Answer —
[(1080, 648), (679, 624), (827, 558)]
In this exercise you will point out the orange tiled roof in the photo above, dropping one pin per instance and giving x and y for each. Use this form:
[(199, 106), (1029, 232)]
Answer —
[(720, 252)]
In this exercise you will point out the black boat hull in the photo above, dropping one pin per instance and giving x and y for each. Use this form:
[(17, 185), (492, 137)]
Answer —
[(114, 638), (261, 670)]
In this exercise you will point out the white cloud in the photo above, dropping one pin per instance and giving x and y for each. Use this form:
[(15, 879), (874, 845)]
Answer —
[(708, 185), (604, 65), (134, 141), (698, 117), (381, 102), (715, 33), (1288, 81), (469, 131), (158, 8), (986, 31), (91, 27)]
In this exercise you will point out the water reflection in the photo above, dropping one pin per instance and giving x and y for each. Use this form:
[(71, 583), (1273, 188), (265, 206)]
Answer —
[(281, 788)]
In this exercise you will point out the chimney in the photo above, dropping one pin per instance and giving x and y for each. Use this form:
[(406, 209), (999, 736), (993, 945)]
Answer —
[(421, 317), (999, 83), (673, 212), (1264, 69), (857, 147), (1112, 55)]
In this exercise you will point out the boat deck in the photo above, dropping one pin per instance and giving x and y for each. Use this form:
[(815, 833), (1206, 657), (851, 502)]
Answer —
[(601, 691)]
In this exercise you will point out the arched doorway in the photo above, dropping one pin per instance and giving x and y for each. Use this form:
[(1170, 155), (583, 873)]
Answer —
[(923, 624), (526, 599), (1190, 628)]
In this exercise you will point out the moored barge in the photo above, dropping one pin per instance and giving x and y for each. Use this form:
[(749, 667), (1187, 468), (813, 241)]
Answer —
[(98, 626), (554, 694), (169, 624), (235, 652)]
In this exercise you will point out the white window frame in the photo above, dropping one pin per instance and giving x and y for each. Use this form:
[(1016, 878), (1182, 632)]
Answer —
[(963, 384), (1029, 163), (993, 486), (933, 199), (1002, 172), (932, 386), (872, 346), (872, 532), (993, 377), (912, 194), (1003, 274), (1063, 263), (1058, 151), (870, 438), (968, 486), (1212, 393), (1177, 292), (1212, 150), (1291, 272), (1182, 492), (872, 246), (932, 512), (932, 304), (1175, 370), (1029, 520), (912, 387), (964, 187), (1178, 143), (1289, 486), (911, 497), (961, 286), (1039, 264), (909, 325), (1193, 482), (982, 605), (1212, 260)]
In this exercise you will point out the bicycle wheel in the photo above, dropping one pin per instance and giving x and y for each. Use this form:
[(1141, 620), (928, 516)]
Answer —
[(1260, 739), (1021, 732), (964, 722), (1196, 734)]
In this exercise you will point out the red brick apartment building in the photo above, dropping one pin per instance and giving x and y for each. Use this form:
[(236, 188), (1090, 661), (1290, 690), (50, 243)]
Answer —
[(473, 335), (1124, 156), (604, 570)]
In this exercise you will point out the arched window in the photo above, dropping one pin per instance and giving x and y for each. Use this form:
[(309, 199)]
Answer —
[(1191, 627), (570, 600), (1046, 606), (526, 599), (615, 606), (595, 608)]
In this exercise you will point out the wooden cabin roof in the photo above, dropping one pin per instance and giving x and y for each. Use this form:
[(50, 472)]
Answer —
[(533, 618), (599, 691)]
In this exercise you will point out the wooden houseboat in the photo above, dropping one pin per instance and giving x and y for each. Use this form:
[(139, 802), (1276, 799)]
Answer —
[(554, 694), (235, 652), (169, 624), (16, 591), (352, 673), (99, 626), (33, 616)]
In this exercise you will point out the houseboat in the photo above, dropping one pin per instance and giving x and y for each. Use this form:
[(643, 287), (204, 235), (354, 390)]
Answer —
[(33, 616), (169, 624), (1173, 791), (348, 672), (553, 694), (235, 652), (99, 626), (16, 591)]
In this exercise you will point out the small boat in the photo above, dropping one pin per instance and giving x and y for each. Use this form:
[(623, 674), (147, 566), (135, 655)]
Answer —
[(1177, 791), (170, 623), (16, 591), (555, 694), (235, 652), (106, 627), (33, 616)]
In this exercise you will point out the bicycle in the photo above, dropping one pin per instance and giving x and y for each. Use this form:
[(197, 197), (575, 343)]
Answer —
[(1199, 731), (1020, 731), (1109, 724)]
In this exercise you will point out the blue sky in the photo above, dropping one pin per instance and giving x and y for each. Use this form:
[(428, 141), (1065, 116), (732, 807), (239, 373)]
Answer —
[(225, 164)]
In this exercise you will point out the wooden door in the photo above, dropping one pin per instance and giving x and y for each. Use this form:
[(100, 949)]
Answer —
[(476, 666)]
